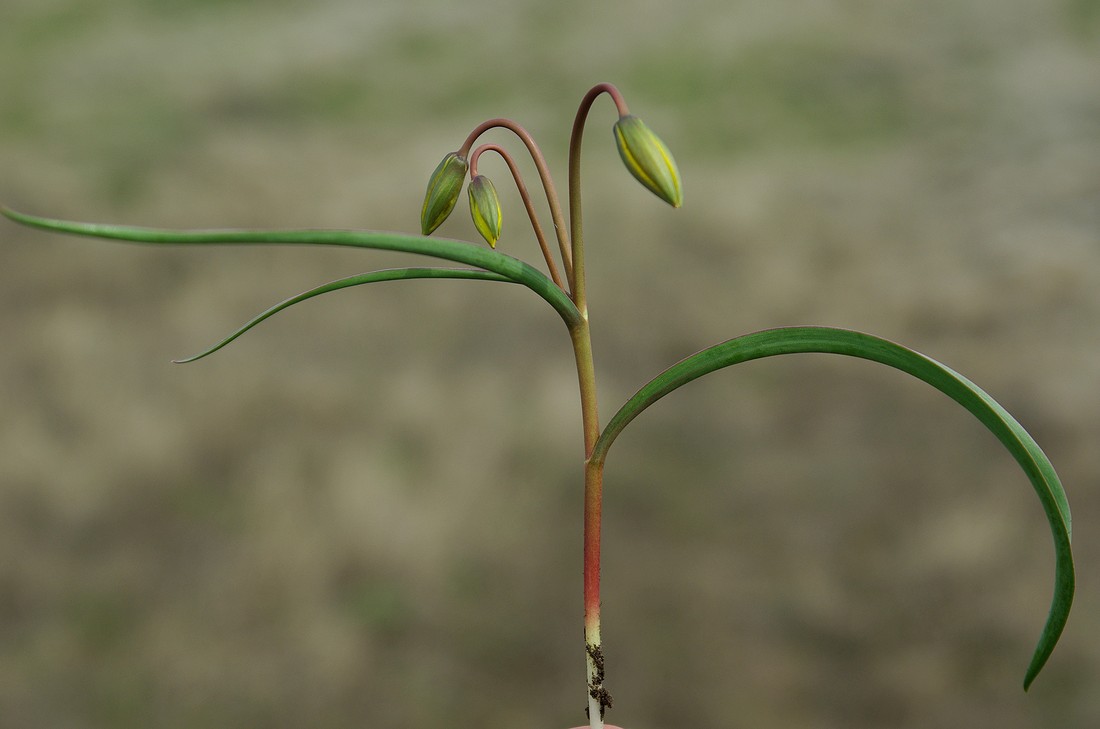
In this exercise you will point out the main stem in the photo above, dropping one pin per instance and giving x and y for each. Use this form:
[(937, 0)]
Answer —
[(598, 697)]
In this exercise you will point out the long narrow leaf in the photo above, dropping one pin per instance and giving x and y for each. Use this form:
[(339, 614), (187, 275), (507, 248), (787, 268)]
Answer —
[(391, 274), (451, 250), (1019, 443)]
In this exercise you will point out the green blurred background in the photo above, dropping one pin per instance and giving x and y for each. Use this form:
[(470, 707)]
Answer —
[(366, 513)]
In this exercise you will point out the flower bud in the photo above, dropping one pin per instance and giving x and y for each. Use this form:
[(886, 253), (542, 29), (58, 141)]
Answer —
[(444, 187), (485, 208), (648, 159)]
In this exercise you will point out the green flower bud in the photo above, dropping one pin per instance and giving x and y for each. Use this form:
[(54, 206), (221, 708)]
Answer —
[(648, 159), (485, 208), (444, 187)]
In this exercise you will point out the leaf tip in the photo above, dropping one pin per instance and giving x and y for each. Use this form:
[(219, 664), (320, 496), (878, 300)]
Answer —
[(1037, 662), (1029, 678), (200, 355)]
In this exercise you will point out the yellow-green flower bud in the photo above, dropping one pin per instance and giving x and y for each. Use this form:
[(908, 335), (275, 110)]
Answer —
[(485, 209), (444, 187), (648, 159)]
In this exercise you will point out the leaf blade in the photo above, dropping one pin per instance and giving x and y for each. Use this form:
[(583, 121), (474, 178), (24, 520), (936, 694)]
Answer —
[(444, 248), (390, 274), (795, 340)]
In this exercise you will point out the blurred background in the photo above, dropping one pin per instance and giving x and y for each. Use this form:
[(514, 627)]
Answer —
[(366, 513)]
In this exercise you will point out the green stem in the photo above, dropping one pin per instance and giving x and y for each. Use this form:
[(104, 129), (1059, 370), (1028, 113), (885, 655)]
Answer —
[(576, 224), (580, 332)]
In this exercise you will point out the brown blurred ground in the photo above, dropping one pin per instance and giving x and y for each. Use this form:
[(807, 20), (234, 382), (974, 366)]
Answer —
[(366, 512)]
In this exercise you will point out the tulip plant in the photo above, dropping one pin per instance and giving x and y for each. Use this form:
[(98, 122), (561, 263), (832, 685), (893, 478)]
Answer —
[(649, 161)]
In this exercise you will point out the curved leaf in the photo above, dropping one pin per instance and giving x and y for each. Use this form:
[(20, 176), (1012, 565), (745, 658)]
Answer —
[(1019, 443), (390, 274), (451, 250)]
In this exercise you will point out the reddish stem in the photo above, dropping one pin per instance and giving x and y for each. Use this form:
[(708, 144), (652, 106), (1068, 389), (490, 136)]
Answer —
[(544, 174), (527, 204)]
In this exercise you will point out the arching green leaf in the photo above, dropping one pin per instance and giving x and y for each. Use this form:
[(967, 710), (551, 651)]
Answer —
[(1020, 444), (391, 274), (451, 250)]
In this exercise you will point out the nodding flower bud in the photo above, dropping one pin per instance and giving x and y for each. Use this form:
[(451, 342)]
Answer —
[(648, 159), (485, 209), (444, 187)]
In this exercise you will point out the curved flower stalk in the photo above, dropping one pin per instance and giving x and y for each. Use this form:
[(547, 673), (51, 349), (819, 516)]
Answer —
[(528, 205), (648, 159), (545, 178)]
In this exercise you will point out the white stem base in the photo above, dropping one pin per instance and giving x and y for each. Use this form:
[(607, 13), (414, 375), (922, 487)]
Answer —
[(595, 721)]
